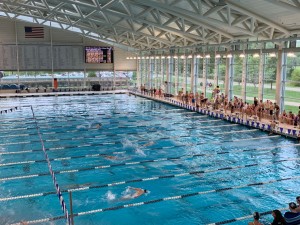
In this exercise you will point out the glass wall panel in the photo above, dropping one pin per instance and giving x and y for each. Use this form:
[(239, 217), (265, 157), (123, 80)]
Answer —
[(199, 75), (181, 75), (221, 73), (269, 80), (252, 77), (188, 73), (237, 75), (292, 89), (210, 73)]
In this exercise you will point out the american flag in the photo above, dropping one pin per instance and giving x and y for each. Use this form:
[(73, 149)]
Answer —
[(34, 32)]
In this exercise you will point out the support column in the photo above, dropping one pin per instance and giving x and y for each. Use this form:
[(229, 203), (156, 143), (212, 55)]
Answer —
[(52, 54), (166, 81), (147, 71), (261, 76), (229, 78), (156, 71), (138, 73), (162, 70), (176, 74), (192, 74), (143, 65), (216, 72), (184, 73), (244, 78), (151, 72), (196, 71), (17, 49), (281, 79), (204, 72), (171, 75)]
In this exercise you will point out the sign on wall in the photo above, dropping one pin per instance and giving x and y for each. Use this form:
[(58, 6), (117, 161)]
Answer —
[(39, 57), (8, 57)]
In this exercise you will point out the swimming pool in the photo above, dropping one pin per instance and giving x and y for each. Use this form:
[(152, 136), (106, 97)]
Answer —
[(198, 169)]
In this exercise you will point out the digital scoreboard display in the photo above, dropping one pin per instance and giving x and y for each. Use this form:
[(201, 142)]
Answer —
[(95, 54)]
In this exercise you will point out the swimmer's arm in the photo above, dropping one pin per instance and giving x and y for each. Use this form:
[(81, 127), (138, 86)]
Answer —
[(133, 188)]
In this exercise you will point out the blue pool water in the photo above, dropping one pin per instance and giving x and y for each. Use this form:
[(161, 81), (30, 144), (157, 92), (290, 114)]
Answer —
[(229, 170)]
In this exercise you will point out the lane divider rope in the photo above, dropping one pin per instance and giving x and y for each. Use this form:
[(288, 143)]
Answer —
[(60, 197), (146, 179), (192, 194)]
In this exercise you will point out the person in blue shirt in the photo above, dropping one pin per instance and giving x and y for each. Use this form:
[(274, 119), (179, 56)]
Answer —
[(292, 217)]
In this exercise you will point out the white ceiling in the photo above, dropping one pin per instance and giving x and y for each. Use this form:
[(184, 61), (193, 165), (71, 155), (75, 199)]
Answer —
[(156, 24)]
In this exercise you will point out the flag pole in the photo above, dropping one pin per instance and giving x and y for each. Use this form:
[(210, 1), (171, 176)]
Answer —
[(52, 60), (17, 48)]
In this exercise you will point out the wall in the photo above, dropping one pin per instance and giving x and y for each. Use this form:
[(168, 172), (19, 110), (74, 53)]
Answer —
[(12, 30)]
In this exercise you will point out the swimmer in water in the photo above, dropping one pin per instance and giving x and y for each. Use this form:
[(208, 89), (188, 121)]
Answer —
[(89, 126), (109, 157), (135, 193), (97, 126), (148, 144)]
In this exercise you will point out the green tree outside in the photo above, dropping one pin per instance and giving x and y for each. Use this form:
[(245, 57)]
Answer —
[(296, 77)]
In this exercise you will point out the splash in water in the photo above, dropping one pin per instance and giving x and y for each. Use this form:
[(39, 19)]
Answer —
[(110, 196), (82, 127), (128, 144), (140, 152), (127, 193)]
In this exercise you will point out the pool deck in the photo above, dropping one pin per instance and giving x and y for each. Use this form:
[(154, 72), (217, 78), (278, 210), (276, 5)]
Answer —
[(281, 128), (264, 124)]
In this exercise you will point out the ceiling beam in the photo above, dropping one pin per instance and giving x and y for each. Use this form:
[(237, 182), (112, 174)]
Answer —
[(286, 5), (238, 8), (182, 13)]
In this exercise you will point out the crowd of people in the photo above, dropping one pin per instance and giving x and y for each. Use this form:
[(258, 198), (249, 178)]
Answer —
[(259, 109), (291, 217), (219, 101)]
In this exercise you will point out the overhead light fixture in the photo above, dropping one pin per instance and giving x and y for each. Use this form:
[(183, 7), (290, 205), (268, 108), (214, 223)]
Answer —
[(272, 54), (162, 57), (199, 56), (190, 56), (207, 56), (218, 56), (138, 57), (291, 54), (127, 57), (147, 57), (157, 57), (168, 57), (242, 55), (182, 57), (255, 55), (229, 55), (175, 57), (134, 57), (143, 57)]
